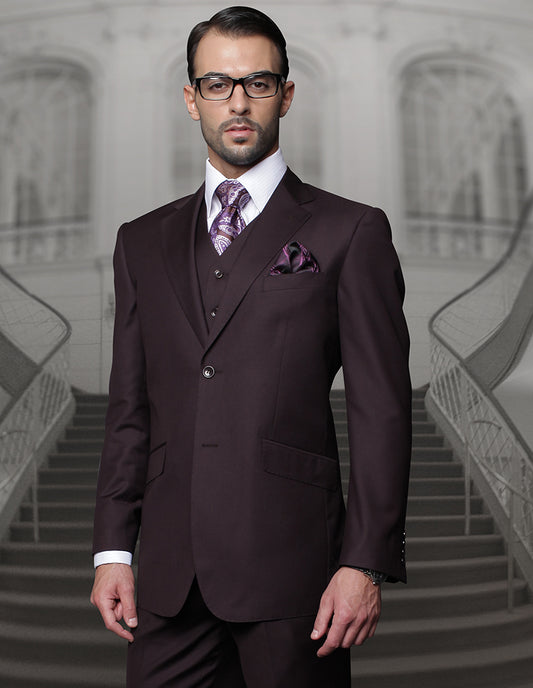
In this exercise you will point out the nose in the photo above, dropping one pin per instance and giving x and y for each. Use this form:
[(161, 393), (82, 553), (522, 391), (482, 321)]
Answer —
[(239, 101)]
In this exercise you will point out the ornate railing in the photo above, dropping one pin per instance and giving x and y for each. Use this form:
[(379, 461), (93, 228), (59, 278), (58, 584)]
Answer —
[(457, 239), (474, 340), (44, 242), (35, 394)]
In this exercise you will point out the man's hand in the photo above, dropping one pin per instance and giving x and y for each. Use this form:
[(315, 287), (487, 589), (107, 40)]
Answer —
[(112, 593), (355, 605)]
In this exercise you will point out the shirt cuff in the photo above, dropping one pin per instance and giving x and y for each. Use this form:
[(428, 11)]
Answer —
[(113, 556)]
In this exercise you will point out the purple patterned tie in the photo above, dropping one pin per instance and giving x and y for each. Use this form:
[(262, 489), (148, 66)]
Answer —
[(229, 223)]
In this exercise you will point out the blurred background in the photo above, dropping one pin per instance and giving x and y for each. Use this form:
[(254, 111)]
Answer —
[(422, 107)]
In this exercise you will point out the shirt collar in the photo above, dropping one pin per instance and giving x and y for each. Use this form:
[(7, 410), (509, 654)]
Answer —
[(260, 181)]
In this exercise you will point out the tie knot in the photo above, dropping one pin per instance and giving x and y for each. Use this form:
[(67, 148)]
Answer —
[(232, 193)]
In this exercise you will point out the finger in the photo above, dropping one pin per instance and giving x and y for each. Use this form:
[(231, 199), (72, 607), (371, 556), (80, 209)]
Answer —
[(323, 618), (333, 639), (127, 602), (350, 636), (110, 622)]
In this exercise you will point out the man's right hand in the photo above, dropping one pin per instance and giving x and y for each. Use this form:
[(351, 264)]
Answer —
[(113, 594)]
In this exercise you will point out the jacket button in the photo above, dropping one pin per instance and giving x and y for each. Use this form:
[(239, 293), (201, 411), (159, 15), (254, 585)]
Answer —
[(219, 274), (213, 313), (208, 371)]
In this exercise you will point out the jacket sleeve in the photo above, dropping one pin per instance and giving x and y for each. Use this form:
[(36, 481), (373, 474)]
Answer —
[(121, 477), (375, 352)]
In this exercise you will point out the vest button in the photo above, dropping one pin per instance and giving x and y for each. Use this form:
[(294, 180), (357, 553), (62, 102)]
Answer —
[(219, 274), (208, 371), (213, 312)]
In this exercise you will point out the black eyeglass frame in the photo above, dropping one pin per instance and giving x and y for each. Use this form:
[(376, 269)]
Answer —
[(280, 79)]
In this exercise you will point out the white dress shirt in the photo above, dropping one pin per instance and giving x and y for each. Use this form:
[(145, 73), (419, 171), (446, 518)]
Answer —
[(260, 182)]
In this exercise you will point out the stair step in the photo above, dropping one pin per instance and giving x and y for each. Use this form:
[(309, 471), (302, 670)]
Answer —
[(452, 634), (428, 440), (46, 554), (431, 453), (475, 668), (466, 571), (68, 476), (90, 398), (26, 674), (74, 532), (436, 469), (86, 647), (453, 600), (88, 408), (443, 505), (53, 610), (89, 419), (437, 526), (87, 460), (436, 486), (79, 445), (47, 580), (85, 494), (58, 511), (454, 547), (85, 432)]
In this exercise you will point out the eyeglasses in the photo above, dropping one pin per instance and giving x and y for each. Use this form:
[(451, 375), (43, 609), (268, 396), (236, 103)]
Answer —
[(258, 85)]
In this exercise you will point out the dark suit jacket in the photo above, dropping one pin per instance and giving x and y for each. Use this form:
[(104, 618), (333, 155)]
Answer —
[(235, 477)]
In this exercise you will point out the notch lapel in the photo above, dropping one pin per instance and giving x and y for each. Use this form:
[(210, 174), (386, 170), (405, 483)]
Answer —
[(178, 247), (281, 218)]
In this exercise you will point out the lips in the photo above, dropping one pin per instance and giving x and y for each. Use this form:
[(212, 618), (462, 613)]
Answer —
[(239, 128)]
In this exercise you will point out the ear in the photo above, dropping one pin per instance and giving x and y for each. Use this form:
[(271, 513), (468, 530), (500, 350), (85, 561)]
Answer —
[(189, 95), (287, 95)]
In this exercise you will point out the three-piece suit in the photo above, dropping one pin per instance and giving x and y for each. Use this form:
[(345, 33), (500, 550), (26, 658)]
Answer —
[(220, 444)]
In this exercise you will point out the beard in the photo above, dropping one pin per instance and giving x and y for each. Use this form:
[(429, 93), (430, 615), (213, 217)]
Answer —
[(242, 153)]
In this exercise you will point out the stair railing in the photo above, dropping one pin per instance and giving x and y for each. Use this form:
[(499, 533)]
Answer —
[(36, 400), (475, 340)]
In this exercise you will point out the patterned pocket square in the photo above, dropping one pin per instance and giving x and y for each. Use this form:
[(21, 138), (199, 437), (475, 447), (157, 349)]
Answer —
[(294, 257)]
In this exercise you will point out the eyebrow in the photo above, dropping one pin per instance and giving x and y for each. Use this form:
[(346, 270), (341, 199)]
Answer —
[(263, 71)]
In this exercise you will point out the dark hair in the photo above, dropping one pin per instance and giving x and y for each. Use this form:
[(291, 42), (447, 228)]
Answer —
[(238, 21)]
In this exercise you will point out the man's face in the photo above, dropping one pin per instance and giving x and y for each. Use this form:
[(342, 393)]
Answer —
[(241, 131)]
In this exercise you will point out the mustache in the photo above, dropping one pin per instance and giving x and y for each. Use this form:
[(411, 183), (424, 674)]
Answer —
[(240, 121)]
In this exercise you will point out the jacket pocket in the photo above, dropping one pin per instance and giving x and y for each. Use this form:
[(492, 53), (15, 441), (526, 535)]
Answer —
[(156, 462), (302, 466)]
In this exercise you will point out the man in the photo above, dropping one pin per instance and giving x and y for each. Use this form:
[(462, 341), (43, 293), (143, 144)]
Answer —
[(235, 308)]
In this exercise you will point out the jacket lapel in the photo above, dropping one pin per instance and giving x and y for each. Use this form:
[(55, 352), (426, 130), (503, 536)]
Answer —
[(178, 246), (271, 230)]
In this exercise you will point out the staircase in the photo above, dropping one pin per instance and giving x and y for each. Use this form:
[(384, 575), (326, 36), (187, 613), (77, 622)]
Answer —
[(448, 628), (50, 636)]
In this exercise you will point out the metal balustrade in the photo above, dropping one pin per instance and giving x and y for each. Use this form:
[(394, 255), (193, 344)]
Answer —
[(474, 341), (35, 391), (44, 242)]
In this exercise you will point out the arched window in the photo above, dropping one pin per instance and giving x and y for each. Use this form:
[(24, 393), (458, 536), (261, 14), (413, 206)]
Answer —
[(300, 132), (464, 159), (45, 138)]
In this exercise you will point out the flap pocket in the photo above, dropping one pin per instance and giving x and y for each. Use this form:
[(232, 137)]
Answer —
[(156, 462), (300, 465)]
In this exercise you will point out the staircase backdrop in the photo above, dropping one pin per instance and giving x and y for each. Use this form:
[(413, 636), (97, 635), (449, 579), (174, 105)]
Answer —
[(448, 627)]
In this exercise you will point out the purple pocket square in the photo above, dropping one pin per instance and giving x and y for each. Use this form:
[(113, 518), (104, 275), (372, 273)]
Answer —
[(294, 257)]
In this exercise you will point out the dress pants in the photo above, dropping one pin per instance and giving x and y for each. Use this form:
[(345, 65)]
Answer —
[(195, 649)]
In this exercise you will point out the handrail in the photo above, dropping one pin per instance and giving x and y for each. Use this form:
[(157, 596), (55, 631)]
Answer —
[(465, 333), (48, 355), (38, 402)]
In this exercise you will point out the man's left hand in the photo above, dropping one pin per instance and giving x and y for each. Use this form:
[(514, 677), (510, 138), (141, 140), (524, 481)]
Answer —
[(352, 603)]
